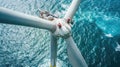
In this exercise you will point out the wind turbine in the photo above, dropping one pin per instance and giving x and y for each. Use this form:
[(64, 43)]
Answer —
[(60, 27)]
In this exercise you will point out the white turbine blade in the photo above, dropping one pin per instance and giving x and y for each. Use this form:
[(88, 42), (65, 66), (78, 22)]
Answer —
[(74, 55), (12, 17), (72, 9), (53, 50)]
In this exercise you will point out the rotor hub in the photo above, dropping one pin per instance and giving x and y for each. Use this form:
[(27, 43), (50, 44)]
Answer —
[(63, 28)]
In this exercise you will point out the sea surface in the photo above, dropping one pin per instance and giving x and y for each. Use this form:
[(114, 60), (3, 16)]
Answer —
[(96, 31)]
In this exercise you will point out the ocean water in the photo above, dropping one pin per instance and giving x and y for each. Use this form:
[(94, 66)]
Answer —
[(96, 32)]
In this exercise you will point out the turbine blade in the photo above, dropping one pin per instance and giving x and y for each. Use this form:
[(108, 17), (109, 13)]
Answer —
[(74, 55), (72, 9), (12, 17)]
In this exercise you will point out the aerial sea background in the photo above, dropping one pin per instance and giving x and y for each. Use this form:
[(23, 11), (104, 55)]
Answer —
[(96, 32)]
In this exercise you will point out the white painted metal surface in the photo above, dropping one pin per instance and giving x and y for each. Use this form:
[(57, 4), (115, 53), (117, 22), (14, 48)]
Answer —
[(12, 17), (72, 9), (75, 57), (74, 54)]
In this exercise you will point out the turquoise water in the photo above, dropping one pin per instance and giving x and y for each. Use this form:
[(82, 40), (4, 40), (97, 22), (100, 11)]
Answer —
[(96, 32)]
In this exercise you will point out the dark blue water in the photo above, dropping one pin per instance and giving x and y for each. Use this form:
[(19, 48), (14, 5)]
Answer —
[(96, 32)]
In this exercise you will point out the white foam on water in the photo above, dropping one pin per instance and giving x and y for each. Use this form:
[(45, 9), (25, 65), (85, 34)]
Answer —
[(118, 47), (109, 35)]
